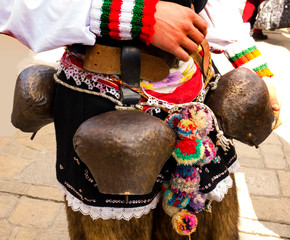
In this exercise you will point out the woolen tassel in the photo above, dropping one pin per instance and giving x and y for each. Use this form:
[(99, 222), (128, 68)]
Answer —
[(188, 152), (184, 222), (186, 129), (172, 120)]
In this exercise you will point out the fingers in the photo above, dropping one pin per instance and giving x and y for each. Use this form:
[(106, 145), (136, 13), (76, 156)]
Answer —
[(181, 54), (178, 30), (276, 107), (200, 24), (274, 100), (189, 46), (196, 31)]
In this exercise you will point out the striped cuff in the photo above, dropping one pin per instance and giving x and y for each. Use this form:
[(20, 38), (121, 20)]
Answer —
[(248, 56), (123, 19), (244, 56)]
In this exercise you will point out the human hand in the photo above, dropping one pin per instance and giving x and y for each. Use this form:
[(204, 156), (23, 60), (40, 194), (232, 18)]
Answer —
[(178, 29), (274, 100)]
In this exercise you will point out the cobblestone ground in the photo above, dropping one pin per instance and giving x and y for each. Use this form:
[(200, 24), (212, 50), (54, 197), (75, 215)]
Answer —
[(31, 206)]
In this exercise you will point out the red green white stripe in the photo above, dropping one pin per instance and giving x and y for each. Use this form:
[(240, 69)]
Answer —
[(95, 17), (123, 20), (113, 20)]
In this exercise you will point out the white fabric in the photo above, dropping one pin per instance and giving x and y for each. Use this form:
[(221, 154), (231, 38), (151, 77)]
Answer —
[(47, 24), (235, 167), (106, 213), (223, 186), (220, 190), (225, 24), (125, 19), (95, 17)]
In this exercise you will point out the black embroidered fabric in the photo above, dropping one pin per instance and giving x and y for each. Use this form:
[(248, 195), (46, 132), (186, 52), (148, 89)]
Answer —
[(70, 110)]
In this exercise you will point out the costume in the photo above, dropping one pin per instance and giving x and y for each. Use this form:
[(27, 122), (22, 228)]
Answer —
[(249, 15), (73, 105)]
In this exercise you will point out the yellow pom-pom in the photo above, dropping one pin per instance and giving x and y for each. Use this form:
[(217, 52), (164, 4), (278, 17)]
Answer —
[(184, 222)]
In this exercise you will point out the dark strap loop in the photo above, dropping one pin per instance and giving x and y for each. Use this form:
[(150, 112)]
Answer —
[(130, 73)]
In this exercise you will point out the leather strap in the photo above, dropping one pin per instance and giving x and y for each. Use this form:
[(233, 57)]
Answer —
[(130, 73), (202, 61), (107, 59)]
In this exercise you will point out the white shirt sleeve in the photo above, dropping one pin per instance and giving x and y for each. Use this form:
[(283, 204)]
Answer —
[(47, 24), (227, 32), (225, 24)]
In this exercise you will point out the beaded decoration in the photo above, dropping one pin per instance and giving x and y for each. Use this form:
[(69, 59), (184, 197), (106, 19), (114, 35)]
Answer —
[(194, 148)]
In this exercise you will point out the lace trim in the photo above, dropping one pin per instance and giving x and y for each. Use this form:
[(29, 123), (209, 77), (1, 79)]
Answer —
[(234, 167), (220, 190), (106, 213), (90, 79)]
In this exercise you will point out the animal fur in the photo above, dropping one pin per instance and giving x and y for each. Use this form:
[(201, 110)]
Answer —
[(220, 224), (83, 227)]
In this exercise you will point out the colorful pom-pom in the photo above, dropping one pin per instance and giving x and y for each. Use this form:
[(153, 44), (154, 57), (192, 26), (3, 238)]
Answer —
[(165, 186), (184, 170), (185, 186), (209, 152), (202, 118), (184, 222), (172, 120), (174, 199), (196, 203), (169, 210), (188, 152), (186, 129)]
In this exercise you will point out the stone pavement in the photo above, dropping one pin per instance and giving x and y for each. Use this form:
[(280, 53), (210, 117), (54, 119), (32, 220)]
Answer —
[(32, 208)]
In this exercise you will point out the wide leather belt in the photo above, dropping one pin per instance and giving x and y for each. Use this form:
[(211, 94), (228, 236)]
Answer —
[(134, 63), (107, 59)]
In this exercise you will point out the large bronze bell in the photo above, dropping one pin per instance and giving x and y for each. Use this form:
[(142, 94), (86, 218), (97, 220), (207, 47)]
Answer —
[(124, 150), (242, 106), (33, 98)]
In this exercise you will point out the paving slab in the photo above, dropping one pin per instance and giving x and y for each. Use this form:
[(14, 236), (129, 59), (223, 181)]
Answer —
[(250, 156), (256, 227), (11, 166), (286, 150), (5, 229), (245, 236), (272, 139), (45, 192), (272, 209), (273, 156), (59, 230), (41, 171), (284, 179), (20, 233), (262, 182), (7, 204), (34, 213), (283, 230), (13, 187)]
